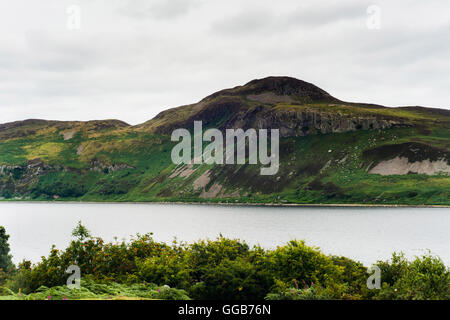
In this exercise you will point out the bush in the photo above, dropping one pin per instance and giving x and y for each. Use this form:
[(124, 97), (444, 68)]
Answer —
[(313, 292), (307, 264), (229, 280), (163, 268), (5, 258), (425, 278), (219, 269), (63, 184), (90, 289), (355, 276)]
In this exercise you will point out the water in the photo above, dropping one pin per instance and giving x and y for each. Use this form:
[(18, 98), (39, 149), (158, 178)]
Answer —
[(364, 234)]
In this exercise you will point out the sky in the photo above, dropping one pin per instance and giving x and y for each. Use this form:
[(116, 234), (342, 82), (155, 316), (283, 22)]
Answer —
[(131, 59)]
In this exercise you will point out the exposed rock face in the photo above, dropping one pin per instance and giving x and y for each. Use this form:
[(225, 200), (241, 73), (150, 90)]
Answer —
[(202, 181), (296, 124), (274, 103), (26, 175), (402, 166), (8, 170), (183, 171), (33, 167), (408, 157), (68, 135), (80, 149), (99, 166), (291, 123), (20, 178), (212, 192)]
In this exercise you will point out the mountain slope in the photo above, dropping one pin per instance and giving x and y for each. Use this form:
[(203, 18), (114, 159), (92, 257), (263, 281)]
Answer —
[(331, 151), (295, 107)]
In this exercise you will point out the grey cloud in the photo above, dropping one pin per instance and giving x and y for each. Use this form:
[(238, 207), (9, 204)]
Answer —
[(248, 21), (323, 14), (133, 68), (262, 21), (158, 9)]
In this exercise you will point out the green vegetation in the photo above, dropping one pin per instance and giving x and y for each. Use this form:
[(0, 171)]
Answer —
[(216, 269), (5, 257), (329, 169), (327, 152), (91, 290)]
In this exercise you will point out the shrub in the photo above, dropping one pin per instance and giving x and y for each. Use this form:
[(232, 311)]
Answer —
[(5, 258), (425, 278), (90, 289), (313, 293), (230, 280), (298, 261), (65, 184), (162, 268), (219, 269)]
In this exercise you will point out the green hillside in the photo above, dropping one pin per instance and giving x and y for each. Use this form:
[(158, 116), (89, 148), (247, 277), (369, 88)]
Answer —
[(331, 152)]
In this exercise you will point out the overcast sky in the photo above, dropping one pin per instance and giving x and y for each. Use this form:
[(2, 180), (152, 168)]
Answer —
[(131, 59)]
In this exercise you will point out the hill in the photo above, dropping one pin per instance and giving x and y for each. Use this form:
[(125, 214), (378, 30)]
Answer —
[(331, 151)]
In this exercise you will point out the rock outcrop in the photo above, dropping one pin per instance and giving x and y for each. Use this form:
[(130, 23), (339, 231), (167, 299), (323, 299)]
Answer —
[(402, 166), (99, 166), (295, 107), (295, 124)]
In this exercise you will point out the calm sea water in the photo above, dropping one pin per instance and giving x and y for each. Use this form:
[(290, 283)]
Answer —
[(364, 234)]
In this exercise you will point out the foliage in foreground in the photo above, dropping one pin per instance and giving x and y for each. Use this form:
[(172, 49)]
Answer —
[(91, 290), (5, 257), (217, 269)]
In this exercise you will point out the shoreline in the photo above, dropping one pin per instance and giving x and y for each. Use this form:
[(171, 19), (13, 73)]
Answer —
[(238, 204)]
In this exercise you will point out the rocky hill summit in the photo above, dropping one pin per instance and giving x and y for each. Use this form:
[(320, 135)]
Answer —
[(296, 107), (278, 88)]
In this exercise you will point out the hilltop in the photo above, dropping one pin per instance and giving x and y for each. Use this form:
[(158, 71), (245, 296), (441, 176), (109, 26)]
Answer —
[(331, 151)]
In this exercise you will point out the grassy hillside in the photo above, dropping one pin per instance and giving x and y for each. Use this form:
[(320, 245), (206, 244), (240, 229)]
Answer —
[(330, 152)]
